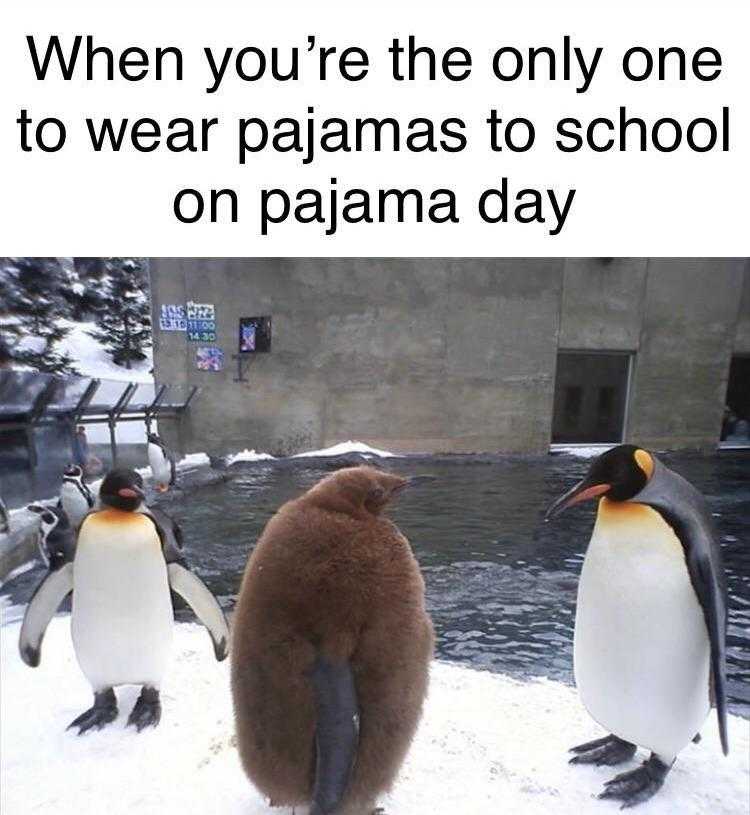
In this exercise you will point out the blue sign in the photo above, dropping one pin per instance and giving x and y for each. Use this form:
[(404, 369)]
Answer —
[(172, 318), (201, 322)]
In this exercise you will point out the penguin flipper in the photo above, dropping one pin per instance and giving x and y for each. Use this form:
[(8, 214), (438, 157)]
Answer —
[(172, 471), (196, 594), (41, 609), (336, 732), (170, 534), (685, 510)]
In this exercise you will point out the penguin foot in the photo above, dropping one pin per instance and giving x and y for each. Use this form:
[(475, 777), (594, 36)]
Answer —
[(147, 710), (103, 712), (638, 785), (607, 751)]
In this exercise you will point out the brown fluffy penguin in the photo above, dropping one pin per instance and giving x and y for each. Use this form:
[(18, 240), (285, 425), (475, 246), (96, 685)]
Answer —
[(331, 647)]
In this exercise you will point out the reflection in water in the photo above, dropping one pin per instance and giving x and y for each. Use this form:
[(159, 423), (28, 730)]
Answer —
[(501, 585)]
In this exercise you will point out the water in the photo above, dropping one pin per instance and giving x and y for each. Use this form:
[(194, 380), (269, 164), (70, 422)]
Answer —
[(501, 585)]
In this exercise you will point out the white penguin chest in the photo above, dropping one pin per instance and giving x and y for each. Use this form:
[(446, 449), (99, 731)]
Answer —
[(160, 466), (641, 647), (73, 501), (122, 612)]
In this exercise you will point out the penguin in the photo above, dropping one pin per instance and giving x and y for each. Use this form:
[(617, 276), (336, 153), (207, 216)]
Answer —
[(162, 463), (331, 647), (75, 496), (651, 618), (122, 618), (4, 517), (56, 539)]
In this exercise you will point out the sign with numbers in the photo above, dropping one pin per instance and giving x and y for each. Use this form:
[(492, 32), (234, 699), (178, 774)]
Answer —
[(201, 322), (172, 318)]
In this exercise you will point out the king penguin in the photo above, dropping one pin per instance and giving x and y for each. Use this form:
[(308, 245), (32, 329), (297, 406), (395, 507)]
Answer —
[(75, 496), (331, 646), (649, 646), (122, 617), (161, 462)]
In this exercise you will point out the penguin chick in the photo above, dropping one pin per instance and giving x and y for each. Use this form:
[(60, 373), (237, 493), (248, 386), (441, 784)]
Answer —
[(331, 647)]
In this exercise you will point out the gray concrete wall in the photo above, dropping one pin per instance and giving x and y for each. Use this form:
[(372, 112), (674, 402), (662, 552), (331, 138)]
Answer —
[(450, 354), (742, 337), (414, 355), (680, 374)]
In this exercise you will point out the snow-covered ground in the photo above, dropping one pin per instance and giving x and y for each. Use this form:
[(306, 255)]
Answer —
[(341, 449), (345, 447), (248, 455), (581, 450), (91, 359), (487, 744)]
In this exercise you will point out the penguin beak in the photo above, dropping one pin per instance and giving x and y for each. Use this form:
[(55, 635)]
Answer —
[(583, 491), (130, 492)]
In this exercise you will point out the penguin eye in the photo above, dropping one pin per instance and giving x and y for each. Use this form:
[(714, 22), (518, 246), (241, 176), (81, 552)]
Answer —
[(48, 518)]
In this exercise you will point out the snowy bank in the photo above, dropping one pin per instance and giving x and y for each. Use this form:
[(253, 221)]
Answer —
[(248, 455), (487, 744), (345, 448), (581, 450)]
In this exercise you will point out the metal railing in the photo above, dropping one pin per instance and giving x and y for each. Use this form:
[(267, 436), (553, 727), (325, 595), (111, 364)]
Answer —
[(30, 400)]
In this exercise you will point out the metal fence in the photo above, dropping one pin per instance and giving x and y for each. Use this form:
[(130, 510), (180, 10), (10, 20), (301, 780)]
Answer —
[(31, 401)]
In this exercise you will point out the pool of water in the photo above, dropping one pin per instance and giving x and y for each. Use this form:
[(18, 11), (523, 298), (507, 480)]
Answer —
[(501, 585)]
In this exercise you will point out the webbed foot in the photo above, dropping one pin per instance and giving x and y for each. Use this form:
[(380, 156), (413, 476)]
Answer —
[(103, 712), (607, 751), (147, 710), (638, 785)]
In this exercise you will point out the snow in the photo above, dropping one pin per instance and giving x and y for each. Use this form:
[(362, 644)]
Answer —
[(582, 450), (344, 448), (91, 359), (486, 744), (193, 460), (248, 455)]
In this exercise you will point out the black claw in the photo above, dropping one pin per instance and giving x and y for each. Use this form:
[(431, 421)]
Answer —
[(607, 751), (147, 710), (103, 712), (590, 745), (637, 786)]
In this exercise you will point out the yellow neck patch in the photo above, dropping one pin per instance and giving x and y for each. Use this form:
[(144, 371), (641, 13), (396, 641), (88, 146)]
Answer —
[(645, 462)]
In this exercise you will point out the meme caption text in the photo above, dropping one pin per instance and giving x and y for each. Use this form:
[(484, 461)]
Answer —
[(306, 134)]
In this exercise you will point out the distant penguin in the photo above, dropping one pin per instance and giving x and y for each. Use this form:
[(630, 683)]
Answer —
[(4, 517), (122, 614), (331, 647), (75, 496), (651, 618), (161, 462), (57, 537)]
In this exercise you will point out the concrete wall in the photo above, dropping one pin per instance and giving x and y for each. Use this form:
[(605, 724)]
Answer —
[(414, 355), (450, 354), (742, 338), (687, 337)]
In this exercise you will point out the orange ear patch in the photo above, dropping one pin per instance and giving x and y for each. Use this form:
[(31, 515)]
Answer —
[(645, 462)]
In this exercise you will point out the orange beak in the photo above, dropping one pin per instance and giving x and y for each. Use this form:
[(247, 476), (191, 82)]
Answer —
[(581, 492)]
